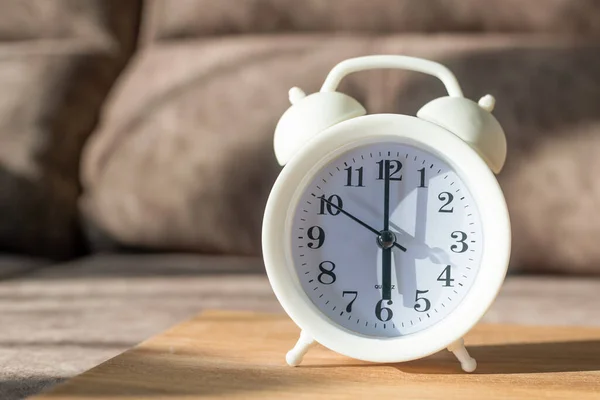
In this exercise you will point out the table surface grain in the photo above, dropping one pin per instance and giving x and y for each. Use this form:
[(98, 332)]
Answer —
[(241, 355)]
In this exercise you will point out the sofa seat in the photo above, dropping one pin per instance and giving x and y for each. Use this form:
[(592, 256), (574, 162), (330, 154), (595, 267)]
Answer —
[(60, 320)]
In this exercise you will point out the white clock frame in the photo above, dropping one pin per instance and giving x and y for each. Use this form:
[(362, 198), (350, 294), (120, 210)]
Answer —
[(276, 239)]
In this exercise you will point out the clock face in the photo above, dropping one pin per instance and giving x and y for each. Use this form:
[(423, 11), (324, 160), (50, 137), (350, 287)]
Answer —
[(386, 240)]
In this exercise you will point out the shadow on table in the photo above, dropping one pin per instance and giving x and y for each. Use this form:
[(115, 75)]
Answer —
[(538, 357), (520, 358)]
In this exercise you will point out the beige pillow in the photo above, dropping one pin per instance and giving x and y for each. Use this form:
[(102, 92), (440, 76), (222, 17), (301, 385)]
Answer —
[(184, 159)]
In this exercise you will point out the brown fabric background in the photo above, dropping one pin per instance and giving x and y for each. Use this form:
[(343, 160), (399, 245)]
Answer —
[(193, 18), (82, 21), (58, 59), (183, 157)]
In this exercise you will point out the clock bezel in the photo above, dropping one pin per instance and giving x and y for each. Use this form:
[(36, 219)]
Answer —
[(321, 150)]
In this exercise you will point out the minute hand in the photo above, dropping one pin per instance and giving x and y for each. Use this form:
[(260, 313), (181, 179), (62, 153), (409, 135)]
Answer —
[(386, 254), (352, 217)]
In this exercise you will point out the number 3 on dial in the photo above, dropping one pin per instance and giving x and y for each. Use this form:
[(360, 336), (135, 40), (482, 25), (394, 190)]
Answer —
[(461, 237)]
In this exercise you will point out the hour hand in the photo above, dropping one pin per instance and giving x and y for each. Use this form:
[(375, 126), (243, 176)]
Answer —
[(364, 224)]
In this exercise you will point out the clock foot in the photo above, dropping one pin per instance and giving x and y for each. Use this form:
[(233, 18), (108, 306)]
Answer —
[(294, 356), (467, 363)]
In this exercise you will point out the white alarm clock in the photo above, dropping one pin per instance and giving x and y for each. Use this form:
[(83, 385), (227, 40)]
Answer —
[(386, 237)]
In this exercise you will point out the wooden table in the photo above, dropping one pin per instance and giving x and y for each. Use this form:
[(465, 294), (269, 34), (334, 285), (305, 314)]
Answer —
[(241, 356)]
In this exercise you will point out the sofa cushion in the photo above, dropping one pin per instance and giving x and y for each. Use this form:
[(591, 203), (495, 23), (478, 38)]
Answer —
[(58, 61), (184, 160), (193, 18), (63, 320)]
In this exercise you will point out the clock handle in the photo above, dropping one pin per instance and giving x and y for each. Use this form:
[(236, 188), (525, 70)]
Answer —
[(311, 114), (470, 121), (388, 62)]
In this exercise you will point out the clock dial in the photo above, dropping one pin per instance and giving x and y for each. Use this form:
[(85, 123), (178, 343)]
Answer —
[(386, 239)]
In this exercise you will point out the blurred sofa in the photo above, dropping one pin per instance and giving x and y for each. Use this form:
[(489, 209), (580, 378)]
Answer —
[(145, 126), (59, 60), (148, 124)]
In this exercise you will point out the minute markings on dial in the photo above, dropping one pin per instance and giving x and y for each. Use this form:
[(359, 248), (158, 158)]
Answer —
[(341, 208)]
